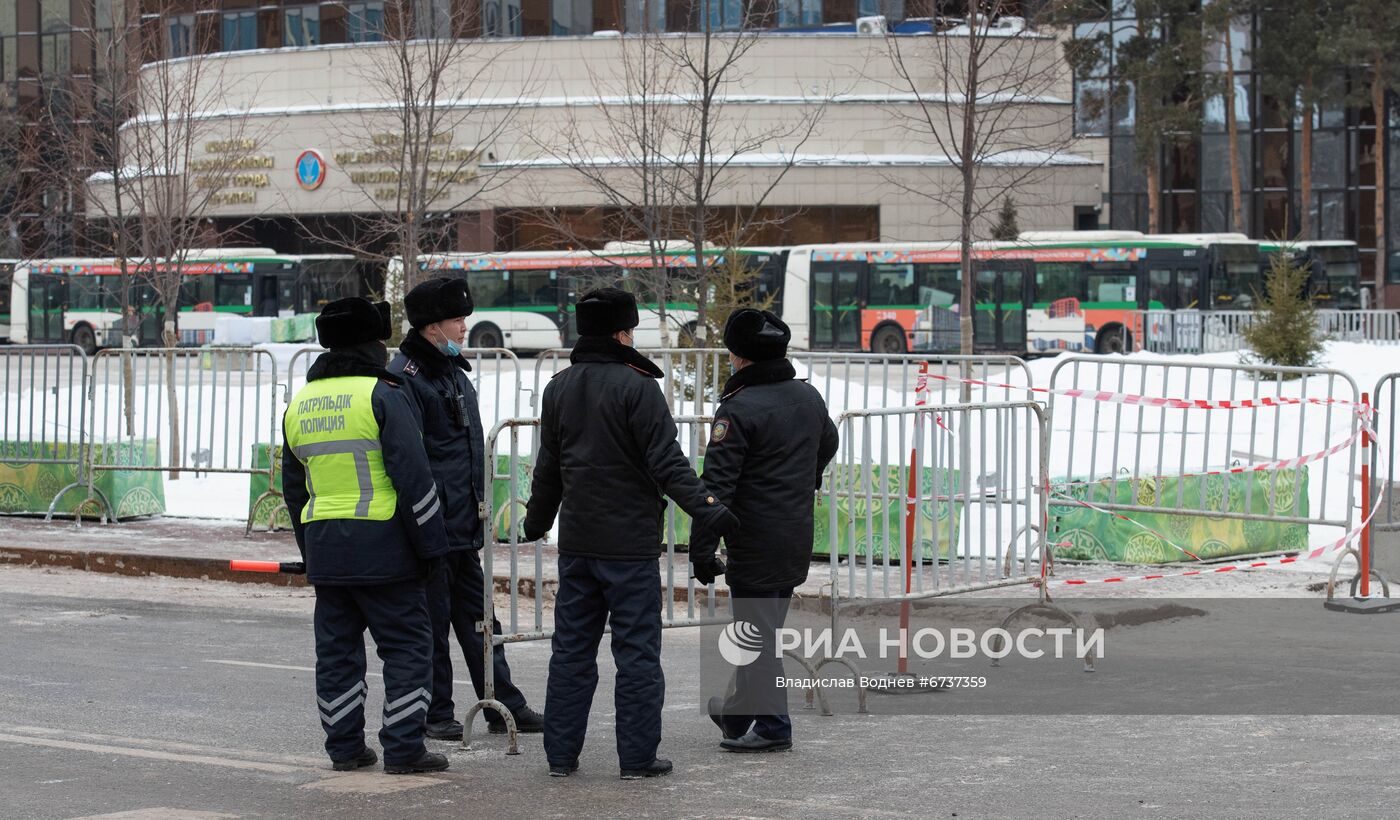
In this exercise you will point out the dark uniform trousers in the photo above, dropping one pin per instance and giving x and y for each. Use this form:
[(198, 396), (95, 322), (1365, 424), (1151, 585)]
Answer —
[(455, 599), (754, 683), (591, 591), (397, 618)]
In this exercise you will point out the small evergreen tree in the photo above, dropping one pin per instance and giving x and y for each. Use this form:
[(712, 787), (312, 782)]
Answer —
[(1006, 229), (1284, 331)]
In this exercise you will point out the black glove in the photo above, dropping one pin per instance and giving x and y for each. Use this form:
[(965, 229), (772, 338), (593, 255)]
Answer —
[(526, 535), (706, 568), (722, 523)]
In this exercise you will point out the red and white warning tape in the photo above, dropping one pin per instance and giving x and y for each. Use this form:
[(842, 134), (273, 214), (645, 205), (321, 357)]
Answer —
[(1266, 466), (1154, 401)]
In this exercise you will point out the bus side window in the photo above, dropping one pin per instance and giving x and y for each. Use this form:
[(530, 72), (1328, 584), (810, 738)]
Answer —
[(939, 284), (490, 288), (533, 288), (892, 285), (1057, 280)]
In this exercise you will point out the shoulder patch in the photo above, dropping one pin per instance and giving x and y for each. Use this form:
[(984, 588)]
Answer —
[(410, 367), (720, 430), (389, 383)]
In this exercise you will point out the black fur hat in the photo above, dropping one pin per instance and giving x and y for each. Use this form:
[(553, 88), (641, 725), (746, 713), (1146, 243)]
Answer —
[(351, 321), (437, 299), (756, 335), (605, 311)]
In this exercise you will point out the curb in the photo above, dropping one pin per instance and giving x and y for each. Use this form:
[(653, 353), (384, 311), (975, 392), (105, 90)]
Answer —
[(211, 569)]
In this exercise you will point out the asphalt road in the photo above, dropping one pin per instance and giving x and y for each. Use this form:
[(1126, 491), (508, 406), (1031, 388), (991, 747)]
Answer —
[(154, 698)]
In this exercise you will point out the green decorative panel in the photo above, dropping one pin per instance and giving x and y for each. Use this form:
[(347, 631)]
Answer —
[(1089, 535), (30, 488)]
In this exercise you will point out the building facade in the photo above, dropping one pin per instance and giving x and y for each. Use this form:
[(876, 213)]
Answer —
[(816, 137), (1195, 168)]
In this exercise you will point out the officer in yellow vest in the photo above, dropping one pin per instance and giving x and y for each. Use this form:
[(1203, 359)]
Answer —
[(369, 525)]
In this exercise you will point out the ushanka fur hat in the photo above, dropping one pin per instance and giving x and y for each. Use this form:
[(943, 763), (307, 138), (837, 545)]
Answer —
[(437, 299), (605, 311), (352, 321), (756, 335)]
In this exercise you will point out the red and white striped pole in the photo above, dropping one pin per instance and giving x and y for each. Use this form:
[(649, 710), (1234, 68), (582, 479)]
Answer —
[(1365, 496), (911, 519)]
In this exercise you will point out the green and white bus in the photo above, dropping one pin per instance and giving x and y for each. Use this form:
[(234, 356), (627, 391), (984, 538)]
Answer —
[(78, 301), (1334, 267), (524, 300), (7, 273)]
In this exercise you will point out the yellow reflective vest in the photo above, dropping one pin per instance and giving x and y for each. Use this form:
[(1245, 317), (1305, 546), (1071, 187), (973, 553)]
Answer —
[(331, 428)]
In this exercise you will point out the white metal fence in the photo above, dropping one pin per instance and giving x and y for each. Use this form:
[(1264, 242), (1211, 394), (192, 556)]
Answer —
[(1220, 331)]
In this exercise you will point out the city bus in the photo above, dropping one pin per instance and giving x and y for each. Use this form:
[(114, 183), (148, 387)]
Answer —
[(1046, 292), (7, 273), (78, 301), (524, 299), (1334, 270)]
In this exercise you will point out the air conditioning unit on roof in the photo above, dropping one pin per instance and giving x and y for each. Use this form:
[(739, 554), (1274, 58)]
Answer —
[(872, 25)]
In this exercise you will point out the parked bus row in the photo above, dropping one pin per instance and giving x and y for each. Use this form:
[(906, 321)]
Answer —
[(1046, 292)]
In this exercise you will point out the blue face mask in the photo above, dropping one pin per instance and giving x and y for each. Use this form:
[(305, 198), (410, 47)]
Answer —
[(448, 347)]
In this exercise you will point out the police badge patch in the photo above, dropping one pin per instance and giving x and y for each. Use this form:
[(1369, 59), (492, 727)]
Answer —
[(719, 432)]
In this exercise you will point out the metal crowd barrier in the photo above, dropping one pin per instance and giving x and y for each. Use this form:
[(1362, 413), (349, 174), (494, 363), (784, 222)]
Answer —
[(178, 410), (969, 476), (1176, 458), (495, 374), (43, 421), (694, 377), (1384, 451), (1221, 331)]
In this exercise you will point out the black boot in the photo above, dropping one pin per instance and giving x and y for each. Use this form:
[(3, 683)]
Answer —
[(656, 768), (426, 762), (527, 722), (366, 757), (445, 730), (562, 769)]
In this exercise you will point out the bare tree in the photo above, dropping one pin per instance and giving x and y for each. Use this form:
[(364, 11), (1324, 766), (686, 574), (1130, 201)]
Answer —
[(621, 149), (430, 78), (967, 92), (169, 153), (714, 143)]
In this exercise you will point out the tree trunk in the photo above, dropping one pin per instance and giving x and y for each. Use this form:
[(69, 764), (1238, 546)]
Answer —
[(1232, 128), (172, 399), (1305, 226), (1154, 197), (1378, 108)]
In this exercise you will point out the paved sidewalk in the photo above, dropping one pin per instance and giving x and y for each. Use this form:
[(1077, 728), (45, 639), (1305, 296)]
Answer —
[(202, 548)]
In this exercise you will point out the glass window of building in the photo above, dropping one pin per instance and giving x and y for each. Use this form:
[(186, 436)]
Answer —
[(240, 30), (365, 23), (302, 26), (180, 35)]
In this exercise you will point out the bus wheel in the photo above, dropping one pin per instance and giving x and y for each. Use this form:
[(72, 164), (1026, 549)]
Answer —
[(888, 339), (485, 335), (1112, 340), (84, 337)]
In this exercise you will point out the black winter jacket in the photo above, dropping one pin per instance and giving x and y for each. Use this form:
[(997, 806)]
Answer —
[(353, 552), (608, 452), (455, 450), (770, 442)]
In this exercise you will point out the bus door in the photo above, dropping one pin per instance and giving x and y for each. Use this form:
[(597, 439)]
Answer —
[(999, 306), (46, 306), (1173, 295), (836, 305), (268, 296)]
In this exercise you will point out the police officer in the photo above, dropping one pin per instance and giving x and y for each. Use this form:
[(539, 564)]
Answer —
[(608, 452), (435, 378), (769, 444), (369, 525)]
